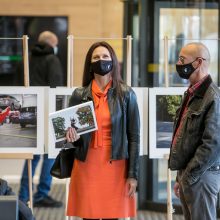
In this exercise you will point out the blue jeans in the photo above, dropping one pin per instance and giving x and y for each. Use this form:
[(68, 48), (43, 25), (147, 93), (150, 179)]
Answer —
[(199, 200), (44, 185)]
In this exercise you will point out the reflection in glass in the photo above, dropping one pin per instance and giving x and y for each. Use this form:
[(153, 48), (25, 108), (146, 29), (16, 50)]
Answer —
[(183, 26)]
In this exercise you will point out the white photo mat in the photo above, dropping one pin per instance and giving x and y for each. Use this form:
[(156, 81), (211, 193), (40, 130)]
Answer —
[(142, 100), (18, 138), (156, 152), (52, 96)]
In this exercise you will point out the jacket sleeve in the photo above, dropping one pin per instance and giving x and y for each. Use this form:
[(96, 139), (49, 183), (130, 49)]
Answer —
[(75, 98), (133, 134), (209, 151)]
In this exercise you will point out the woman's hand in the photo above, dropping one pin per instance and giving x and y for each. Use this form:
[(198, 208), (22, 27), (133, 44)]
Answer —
[(176, 189), (71, 135), (132, 185)]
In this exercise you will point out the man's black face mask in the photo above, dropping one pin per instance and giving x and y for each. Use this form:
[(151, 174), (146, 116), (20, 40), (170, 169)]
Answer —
[(185, 70)]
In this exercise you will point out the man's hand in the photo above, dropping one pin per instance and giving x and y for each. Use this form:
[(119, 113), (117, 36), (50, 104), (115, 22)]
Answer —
[(176, 189), (132, 185)]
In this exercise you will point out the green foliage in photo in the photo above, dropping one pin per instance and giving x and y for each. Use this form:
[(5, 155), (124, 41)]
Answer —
[(59, 126), (167, 106), (85, 116)]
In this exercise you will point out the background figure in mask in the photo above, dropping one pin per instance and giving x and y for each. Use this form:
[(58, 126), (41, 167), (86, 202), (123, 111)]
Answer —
[(105, 170), (195, 149), (45, 70)]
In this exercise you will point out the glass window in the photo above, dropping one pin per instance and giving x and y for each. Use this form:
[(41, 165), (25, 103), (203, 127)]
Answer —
[(181, 26)]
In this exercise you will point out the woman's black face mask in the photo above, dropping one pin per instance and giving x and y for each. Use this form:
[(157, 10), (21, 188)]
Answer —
[(101, 67)]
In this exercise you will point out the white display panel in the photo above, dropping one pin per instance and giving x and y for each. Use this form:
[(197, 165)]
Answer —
[(23, 129), (57, 99), (142, 100), (56, 95), (163, 103)]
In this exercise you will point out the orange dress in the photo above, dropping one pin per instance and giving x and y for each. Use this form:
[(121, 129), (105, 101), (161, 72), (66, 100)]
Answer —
[(98, 186)]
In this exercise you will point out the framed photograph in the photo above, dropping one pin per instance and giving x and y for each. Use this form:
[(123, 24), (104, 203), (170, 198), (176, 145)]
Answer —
[(58, 99), (81, 117), (163, 103), (22, 131), (142, 100)]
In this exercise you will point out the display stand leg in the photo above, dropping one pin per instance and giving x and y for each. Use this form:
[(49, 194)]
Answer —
[(166, 77), (30, 183), (67, 192), (169, 192), (169, 196)]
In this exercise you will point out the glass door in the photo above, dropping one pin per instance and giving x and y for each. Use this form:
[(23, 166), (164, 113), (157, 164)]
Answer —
[(184, 25)]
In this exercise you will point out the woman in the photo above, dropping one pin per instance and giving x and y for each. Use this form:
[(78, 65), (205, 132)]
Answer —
[(104, 176)]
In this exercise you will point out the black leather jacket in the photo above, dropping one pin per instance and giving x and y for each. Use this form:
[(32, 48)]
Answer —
[(198, 145), (125, 126)]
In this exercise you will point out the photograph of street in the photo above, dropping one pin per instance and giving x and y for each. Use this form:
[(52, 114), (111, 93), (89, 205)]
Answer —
[(19, 128), (165, 113), (163, 103)]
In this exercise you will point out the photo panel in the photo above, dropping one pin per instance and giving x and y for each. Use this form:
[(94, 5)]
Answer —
[(22, 131), (58, 99), (163, 103), (142, 100)]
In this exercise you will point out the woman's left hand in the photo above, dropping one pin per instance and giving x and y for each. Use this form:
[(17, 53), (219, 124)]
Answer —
[(132, 185)]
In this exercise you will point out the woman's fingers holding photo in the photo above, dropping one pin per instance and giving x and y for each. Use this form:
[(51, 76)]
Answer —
[(72, 135)]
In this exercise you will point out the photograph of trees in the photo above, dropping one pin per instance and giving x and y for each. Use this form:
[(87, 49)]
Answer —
[(165, 114)]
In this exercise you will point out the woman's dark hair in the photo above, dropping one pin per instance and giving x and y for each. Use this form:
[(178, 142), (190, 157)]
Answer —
[(88, 75)]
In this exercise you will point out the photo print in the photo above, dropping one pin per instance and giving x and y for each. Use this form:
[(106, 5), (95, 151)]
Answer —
[(58, 99), (163, 103), (22, 128), (81, 117)]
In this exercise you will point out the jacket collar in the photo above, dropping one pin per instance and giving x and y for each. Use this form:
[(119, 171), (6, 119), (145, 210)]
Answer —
[(200, 92), (87, 93)]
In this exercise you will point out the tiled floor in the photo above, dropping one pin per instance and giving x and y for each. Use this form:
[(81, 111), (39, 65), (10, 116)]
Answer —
[(58, 192)]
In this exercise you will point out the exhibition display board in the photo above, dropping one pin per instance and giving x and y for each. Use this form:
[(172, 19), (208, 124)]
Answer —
[(23, 155)]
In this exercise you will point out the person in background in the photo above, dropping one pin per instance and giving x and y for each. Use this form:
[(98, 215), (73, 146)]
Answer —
[(105, 171), (195, 149), (4, 114), (45, 70)]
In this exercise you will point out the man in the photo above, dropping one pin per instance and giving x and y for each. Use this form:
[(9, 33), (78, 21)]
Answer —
[(45, 70), (195, 150)]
